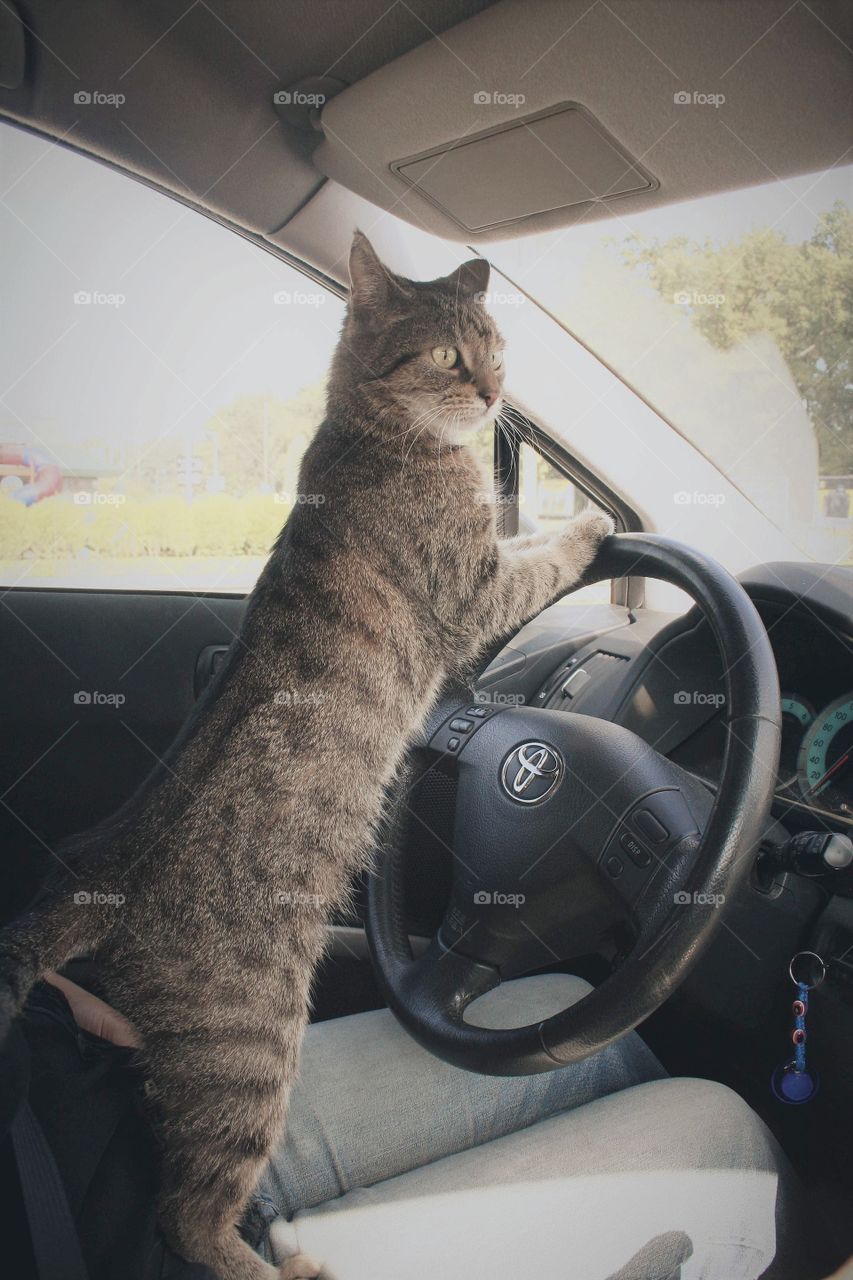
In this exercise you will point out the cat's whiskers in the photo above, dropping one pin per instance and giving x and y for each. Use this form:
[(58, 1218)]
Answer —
[(427, 418), (517, 420), (513, 426), (427, 414), (399, 435)]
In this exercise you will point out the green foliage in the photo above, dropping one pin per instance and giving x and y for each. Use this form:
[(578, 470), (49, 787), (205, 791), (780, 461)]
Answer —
[(801, 294), (214, 525), (254, 444)]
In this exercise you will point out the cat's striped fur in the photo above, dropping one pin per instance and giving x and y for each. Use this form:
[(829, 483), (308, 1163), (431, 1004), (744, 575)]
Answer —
[(387, 577)]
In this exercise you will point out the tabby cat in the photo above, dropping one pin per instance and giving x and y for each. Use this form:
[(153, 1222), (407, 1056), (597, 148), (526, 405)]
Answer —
[(387, 577)]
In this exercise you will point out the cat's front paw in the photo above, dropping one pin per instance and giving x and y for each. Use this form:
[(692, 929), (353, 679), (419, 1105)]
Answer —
[(580, 540), (589, 529)]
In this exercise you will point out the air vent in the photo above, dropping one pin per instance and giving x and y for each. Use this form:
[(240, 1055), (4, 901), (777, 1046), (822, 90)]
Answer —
[(554, 159)]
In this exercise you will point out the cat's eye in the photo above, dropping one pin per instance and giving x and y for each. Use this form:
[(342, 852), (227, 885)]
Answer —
[(445, 357), (497, 359)]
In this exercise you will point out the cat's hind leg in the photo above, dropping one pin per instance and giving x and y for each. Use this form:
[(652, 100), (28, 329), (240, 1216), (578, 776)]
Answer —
[(219, 1099), (200, 1222)]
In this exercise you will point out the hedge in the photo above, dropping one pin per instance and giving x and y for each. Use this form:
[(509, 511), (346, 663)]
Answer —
[(213, 525)]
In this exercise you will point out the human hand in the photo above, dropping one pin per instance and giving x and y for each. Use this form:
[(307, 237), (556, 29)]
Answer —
[(95, 1015)]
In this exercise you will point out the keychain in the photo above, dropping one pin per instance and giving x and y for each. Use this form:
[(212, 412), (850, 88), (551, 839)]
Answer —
[(792, 1082)]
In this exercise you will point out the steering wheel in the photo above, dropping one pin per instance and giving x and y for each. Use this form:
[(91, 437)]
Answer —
[(570, 830)]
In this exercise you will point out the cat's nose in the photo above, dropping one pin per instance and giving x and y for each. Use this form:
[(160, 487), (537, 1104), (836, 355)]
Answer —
[(490, 397)]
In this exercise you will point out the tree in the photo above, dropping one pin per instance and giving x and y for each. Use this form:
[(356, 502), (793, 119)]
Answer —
[(801, 294), (255, 443), (261, 439)]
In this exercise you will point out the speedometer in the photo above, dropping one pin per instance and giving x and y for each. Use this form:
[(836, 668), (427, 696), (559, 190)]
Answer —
[(825, 768), (797, 715)]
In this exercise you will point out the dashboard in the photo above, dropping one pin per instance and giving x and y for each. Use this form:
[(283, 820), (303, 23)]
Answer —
[(815, 667), (662, 677)]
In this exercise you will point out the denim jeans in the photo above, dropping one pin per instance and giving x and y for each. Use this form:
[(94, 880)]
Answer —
[(395, 1164), (370, 1103)]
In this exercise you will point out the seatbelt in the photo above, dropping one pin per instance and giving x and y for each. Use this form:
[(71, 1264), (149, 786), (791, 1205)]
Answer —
[(56, 1245)]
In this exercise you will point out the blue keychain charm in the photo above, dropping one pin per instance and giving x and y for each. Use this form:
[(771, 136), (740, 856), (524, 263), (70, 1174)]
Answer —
[(792, 1082)]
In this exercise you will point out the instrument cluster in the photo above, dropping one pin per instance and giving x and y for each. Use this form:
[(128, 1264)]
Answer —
[(816, 765)]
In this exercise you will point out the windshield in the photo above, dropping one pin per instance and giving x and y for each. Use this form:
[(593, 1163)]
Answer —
[(732, 315)]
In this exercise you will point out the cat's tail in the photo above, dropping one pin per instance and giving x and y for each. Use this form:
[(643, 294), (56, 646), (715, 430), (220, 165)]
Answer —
[(49, 935)]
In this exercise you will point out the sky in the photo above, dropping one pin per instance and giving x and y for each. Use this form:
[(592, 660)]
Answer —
[(186, 319)]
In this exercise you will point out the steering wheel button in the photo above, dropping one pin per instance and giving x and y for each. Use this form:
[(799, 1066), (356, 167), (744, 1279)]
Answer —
[(461, 726), (647, 824), (614, 867), (452, 744), (477, 713), (635, 851)]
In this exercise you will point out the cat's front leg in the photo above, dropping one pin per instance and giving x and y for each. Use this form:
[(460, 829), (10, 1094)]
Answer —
[(580, 541), (532, 573)]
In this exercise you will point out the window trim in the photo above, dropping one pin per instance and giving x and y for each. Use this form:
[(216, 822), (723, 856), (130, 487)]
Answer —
[(506, 482), (629, 592)]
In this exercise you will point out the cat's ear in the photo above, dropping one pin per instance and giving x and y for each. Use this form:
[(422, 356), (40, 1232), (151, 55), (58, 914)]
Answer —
[(471, 278), (373, 288)]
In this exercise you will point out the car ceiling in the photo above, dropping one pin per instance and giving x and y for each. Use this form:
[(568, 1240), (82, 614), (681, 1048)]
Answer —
[(199, 120)]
